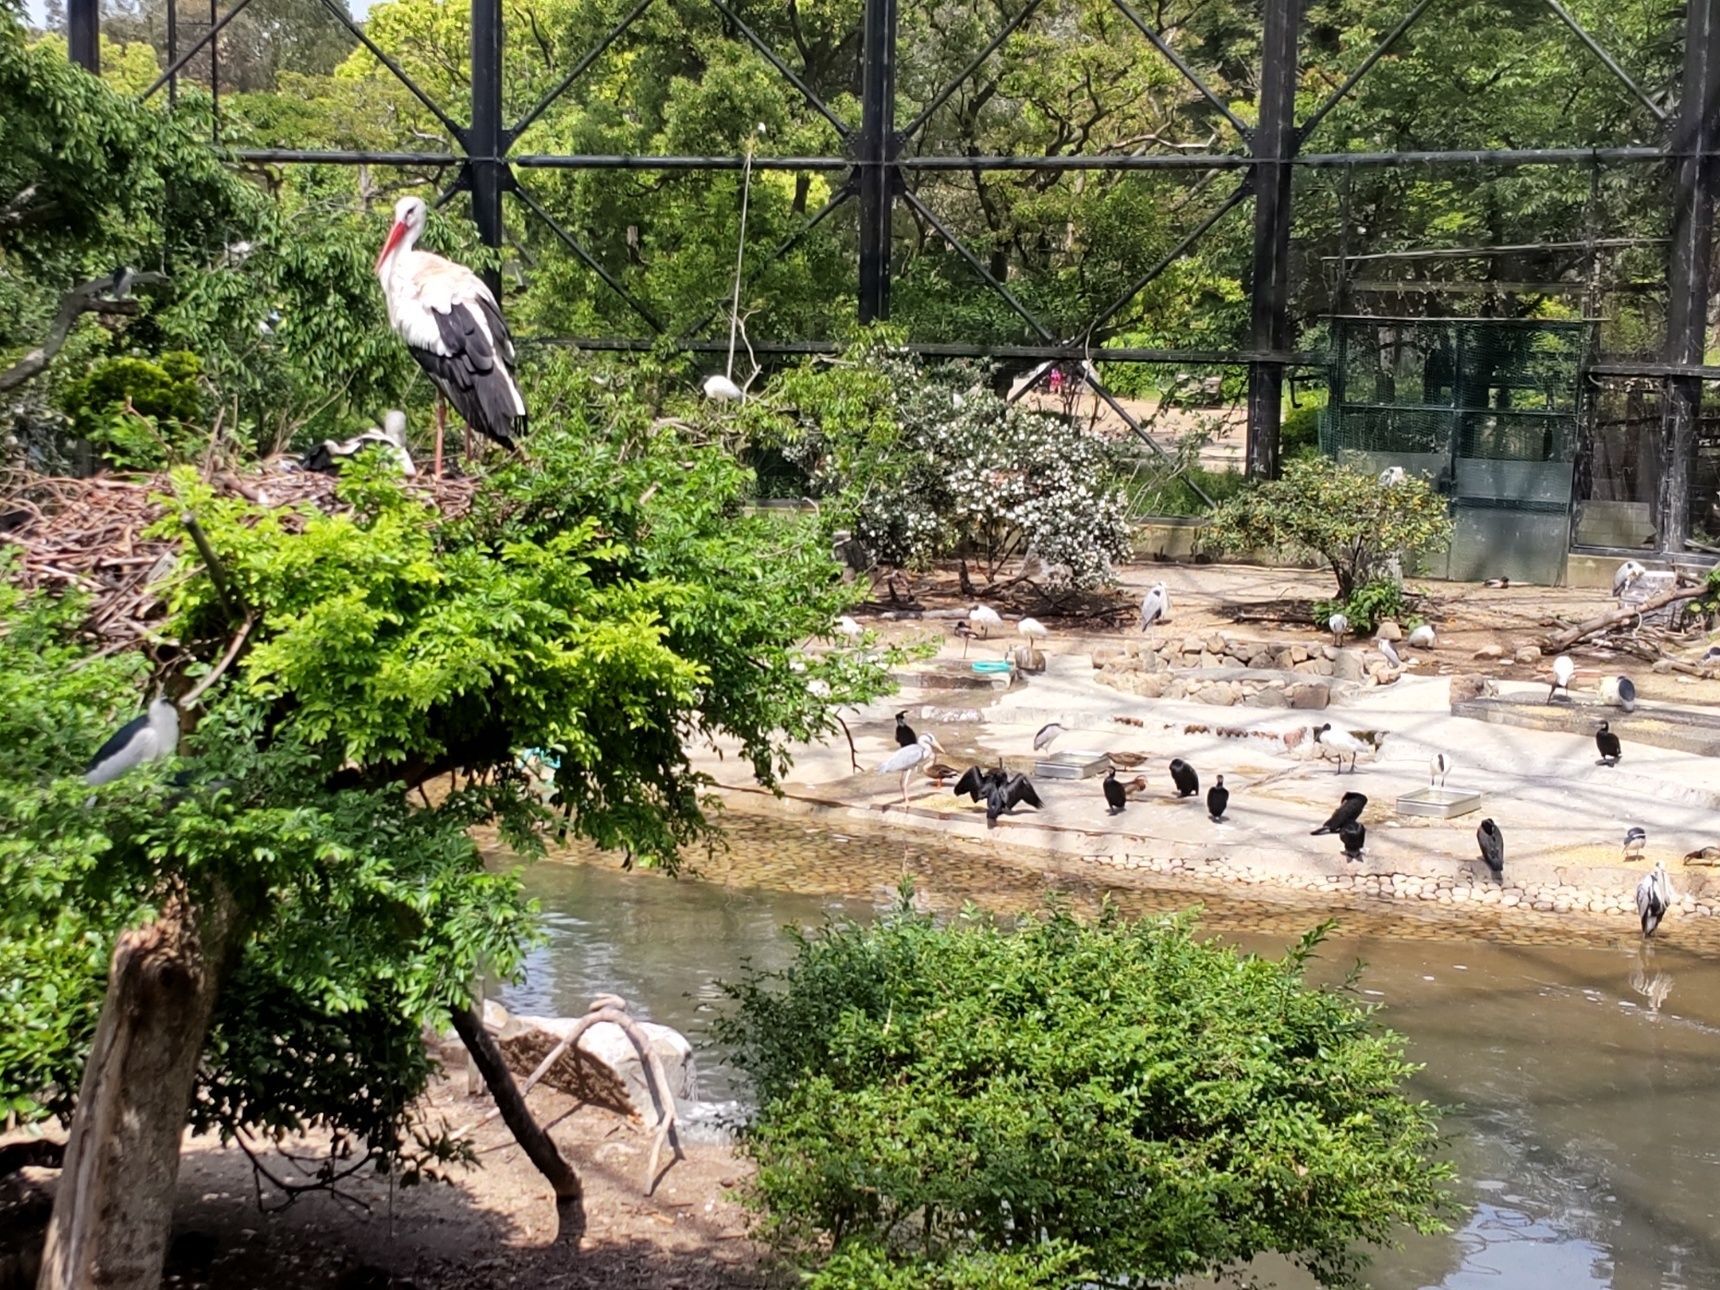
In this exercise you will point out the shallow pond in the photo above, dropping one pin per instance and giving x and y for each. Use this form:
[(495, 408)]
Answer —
[(1583, 1071)]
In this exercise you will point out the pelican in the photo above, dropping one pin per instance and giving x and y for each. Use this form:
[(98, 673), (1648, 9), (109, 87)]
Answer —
[(1187, 782), (1348, 812), (1654, 896), (1339, 626), (1610, 748), (1626, 576), (1155, 605), (1116, 796), (849, 627), (1217, 800), (1423, 637), (721, 389), (1564, 669), (1438, 768), (985, 618), (1492, 841), (1046, 735), (1392, 476), (145, 738), (1635, 839), (1342, 741), (907, 760)]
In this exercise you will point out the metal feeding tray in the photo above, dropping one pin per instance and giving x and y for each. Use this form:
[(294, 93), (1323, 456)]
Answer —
[(1440, 803), (1072, 765)]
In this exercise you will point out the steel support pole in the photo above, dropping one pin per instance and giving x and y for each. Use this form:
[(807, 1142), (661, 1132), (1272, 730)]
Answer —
[(875, 157), (1695, 137), (1273, 145), (486, 142), (84, 33)]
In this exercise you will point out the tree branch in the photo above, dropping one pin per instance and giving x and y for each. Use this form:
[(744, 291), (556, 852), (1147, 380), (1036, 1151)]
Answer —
[(83, 299)]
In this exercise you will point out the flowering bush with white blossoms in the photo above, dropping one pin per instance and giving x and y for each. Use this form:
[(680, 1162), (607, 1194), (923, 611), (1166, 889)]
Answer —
[(929, 462)]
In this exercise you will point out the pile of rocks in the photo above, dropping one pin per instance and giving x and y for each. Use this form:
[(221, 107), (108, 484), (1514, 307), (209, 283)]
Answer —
[(1463, 886), (1223, 670)]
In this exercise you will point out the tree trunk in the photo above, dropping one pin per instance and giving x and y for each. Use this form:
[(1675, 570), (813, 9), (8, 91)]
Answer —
[(569, 1195), (113, 1210)]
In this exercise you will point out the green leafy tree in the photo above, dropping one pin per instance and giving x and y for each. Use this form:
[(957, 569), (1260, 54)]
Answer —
[(281, 915), (1153, 1105), (1351, 520)]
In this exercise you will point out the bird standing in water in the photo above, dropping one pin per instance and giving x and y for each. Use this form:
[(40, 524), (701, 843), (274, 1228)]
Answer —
[(1654, 896)]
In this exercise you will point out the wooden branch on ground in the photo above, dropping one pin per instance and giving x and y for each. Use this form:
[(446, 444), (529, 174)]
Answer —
[(611, 1008), (1558, 641), (539, 1149), (85, 298)]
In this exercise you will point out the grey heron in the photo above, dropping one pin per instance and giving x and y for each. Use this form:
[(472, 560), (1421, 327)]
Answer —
[(1654, 896), (905, 761)]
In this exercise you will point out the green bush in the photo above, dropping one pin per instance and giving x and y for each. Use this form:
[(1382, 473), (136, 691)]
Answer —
[(139, 412), (1299, 433), (1157, 1105), (1351, 519), (1367, 605)]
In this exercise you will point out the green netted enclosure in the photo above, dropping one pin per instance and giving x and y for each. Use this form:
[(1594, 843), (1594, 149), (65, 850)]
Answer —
[(1488, 409)]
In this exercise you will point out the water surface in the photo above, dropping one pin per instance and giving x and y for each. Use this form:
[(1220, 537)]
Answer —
[(1583, 1070)]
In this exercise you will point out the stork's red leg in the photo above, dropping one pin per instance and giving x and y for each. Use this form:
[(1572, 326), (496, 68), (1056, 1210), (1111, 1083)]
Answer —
[(441, 425)]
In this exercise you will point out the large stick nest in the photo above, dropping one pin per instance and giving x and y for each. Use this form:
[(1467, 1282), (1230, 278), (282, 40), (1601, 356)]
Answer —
[(87, 536)]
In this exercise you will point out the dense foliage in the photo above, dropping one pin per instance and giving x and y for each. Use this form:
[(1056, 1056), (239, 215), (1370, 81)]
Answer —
[(925, 462), (1119, 1100), (1353, 521)]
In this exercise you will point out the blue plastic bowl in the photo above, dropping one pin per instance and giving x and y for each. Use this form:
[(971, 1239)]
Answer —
[(991, 666)]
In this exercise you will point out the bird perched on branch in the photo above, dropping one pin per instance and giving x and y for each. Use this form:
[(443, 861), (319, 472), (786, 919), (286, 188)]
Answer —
[(1348, 812), (1564, 670), (1607, 742), (1185, 778), (905, 761), (721, 389), (1217, 800), (453, 329), (145, 738), (1654, 896), (1492, 842), (326, 457), (1155, 605)]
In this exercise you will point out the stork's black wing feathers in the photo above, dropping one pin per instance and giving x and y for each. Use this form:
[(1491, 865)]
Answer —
[(473, 376)]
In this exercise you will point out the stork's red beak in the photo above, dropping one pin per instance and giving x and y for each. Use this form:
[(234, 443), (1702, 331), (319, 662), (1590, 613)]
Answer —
[(394, 236)]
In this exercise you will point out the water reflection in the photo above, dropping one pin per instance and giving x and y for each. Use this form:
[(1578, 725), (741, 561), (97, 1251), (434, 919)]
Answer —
[(1583, 1084)]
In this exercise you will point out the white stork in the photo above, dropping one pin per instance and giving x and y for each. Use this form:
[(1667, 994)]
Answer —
[(453, 328)]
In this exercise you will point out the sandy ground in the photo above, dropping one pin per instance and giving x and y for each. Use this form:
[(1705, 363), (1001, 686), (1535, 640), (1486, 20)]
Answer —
[(491, 1226)]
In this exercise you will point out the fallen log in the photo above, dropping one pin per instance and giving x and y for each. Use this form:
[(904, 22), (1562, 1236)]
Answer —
[(1560, 641)]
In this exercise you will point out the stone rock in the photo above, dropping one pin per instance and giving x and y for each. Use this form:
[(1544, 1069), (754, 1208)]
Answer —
[(1271, 696), (1348, 666), (1388, 630), (603, 1067), (1464, 688), (1527, 654), (1192, 645), (1329, 653), (1211, 660), (1490, 651), (1103, 655), (1260, 662), (1298, 653), (1308, 695), (1215, 644), (1225, 694)]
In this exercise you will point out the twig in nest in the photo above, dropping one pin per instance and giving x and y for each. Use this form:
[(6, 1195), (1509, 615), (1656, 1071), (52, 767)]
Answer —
[(233, 648)]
